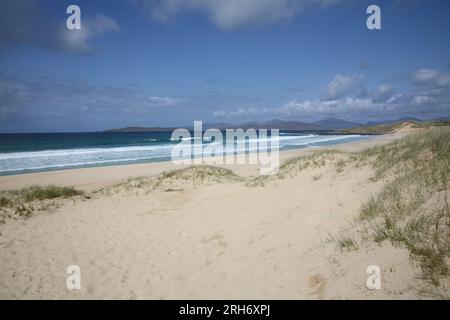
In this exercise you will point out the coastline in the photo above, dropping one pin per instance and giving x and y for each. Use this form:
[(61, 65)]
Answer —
[(92, 178)]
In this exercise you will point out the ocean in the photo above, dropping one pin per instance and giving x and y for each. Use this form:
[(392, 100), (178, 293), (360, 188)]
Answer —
[(35, 152)]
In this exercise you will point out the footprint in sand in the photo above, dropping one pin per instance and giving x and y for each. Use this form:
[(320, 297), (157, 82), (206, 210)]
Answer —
[(318, 283), (217, 239)]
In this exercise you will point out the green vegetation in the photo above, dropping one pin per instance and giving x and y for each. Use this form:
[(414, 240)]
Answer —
[(13, 197), (412, 210), (340, 165), (392, 127), (193, 175), (370, 209), (47, 192), (429, 124), (200, 173), (295, 165), (347, 243), (377, 129), (175, 180), (343, 241), (19, 202)]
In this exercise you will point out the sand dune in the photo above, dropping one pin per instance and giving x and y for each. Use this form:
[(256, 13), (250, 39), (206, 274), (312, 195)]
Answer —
[(189, 239)]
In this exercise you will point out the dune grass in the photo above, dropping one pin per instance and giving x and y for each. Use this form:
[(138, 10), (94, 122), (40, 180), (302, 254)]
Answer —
[(29, 194), (22, 203), (176, 180), (296, 165), (47, 192), (394, 126), (412, 210), (200, 173), (347, 243)]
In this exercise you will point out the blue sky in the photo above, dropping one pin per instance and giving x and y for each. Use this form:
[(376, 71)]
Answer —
[(169, 62)]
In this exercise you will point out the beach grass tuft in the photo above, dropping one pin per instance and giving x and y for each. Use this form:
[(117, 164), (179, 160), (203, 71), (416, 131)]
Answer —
[(32, 193), (176, 180), (19, 203), (193, 175), (347, 243), (292, 167), (47, 192)]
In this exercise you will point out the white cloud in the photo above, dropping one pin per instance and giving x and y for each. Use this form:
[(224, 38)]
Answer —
[(443, 81), (425, 76), (384, 93), (230, 14), (383, 102), (252, 111), (341, 86), (430, 77), (421, 104), (26, 22), (78, 40), (164, 101)]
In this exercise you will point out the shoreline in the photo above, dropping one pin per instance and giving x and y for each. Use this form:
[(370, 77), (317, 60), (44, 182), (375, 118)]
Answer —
[(93, 178)]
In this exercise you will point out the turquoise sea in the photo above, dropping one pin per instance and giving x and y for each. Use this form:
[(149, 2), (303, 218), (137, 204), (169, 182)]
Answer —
[(33, 152)]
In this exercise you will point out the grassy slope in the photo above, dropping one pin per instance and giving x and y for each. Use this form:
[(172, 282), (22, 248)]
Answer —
[(392, 127), (413, 209), (21, 203)]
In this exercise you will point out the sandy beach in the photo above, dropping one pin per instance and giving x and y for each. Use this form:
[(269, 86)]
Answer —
[(90, 179), (203, 239)]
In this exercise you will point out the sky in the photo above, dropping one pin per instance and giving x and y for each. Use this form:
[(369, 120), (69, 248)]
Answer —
[(170, 62)]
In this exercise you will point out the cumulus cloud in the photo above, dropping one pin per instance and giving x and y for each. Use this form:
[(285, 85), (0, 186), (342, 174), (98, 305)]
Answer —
[(431, 77), (384, 102), (230, 14), (425, 76), (252, 111), (341, 86), (164, 101), (24, 22), (443, 81), (424, 105), (79, 40), (384, 93)]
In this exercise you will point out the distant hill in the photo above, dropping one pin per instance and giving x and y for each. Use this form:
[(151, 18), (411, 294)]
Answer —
[(330, 124), (218, 125), (333, 124), (326, 124), (398, 120), (141, 129), (282, 125)]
